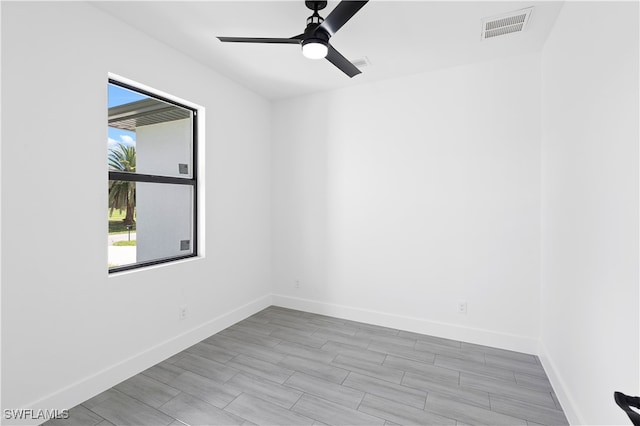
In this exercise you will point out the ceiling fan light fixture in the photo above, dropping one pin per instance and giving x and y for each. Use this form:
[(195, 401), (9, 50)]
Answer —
[(315, 48)]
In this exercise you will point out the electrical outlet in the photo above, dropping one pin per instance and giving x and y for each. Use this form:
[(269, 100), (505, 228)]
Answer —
[(296, 284), (182, 312), (462, 307)]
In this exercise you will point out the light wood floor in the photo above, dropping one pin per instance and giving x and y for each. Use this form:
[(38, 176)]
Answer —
[(285, 367)]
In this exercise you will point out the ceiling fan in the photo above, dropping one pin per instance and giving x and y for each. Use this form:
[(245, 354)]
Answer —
[(315, 38)]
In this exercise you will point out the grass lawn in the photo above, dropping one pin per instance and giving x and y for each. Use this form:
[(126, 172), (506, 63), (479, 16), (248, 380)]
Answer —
[(125, 243), (116, 226)]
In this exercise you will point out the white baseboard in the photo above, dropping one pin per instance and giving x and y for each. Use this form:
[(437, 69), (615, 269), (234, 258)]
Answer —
[(568, 404), (418, 325), (80, 391)]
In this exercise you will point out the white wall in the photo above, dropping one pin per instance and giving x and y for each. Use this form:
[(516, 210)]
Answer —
[(394, 200), (590, 329), (69, 330)]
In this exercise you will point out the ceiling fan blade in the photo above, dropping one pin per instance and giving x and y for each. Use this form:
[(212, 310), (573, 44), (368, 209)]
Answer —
[(340, 15), (292, 40), (341, 62)]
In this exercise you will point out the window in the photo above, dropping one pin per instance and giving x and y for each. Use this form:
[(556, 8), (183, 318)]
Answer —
[(151, 154)]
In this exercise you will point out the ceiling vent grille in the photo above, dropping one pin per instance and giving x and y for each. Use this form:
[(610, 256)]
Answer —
[(361, 62), (507, 23)]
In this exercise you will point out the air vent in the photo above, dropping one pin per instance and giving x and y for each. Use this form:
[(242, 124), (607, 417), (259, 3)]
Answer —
[(507, 23), (361, 62)]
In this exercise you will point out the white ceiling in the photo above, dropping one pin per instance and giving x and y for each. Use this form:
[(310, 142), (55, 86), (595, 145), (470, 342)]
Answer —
[(398, 37)]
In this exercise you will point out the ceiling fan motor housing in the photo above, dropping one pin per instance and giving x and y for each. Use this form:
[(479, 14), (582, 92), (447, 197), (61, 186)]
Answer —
[(317, 36)]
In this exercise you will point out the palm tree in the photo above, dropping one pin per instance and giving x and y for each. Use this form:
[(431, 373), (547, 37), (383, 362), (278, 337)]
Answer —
[(122, 194)]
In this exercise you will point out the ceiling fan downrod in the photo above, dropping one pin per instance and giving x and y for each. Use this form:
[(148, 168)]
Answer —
[(315, 19)]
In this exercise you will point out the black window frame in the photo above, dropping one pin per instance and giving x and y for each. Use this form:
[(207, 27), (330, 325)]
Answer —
[(142, 177)]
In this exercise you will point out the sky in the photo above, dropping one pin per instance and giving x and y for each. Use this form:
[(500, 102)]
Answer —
[(120, 96)]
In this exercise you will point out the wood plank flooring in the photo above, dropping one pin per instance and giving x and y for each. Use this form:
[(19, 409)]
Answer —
[(286, 367)]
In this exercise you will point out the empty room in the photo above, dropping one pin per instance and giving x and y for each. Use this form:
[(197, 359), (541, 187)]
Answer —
[(309, 212)]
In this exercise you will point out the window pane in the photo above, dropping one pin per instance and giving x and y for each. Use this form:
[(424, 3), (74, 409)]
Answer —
[(148, 135), (164, 221), (121, 240), (163, 225)]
